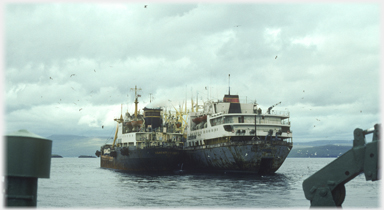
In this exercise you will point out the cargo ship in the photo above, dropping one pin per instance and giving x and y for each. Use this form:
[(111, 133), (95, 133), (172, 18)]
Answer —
[(229, 136), (148, 142)]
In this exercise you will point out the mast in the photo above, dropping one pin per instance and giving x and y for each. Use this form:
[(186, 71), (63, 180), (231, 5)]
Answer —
[(197, 101), (121, 115), (255, 127), (192, 105), (229, 87), (136, 101)]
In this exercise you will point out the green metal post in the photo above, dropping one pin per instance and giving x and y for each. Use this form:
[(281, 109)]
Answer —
[(28, 157)]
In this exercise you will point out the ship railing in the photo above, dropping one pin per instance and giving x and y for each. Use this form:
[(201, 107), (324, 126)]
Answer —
[(278, 112), (273, 122), (261, 141), (248, 122), (159, 146)]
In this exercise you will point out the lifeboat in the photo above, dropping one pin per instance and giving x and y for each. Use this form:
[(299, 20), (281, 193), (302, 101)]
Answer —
[(136, 122), (200, 119)]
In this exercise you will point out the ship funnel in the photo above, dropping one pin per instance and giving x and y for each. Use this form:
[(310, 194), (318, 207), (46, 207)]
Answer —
[(152, 117)]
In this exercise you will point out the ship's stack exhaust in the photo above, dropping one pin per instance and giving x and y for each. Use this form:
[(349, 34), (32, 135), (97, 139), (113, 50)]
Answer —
[(152, 118)]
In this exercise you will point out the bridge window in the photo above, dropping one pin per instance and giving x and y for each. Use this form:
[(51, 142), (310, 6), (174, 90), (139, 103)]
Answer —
[(228, 128)]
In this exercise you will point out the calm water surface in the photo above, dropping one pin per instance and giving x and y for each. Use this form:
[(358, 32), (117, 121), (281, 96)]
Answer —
[(81, 183)]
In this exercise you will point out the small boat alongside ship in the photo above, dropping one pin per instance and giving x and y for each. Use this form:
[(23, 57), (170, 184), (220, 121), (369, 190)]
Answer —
[(148, 142), (229, 136)]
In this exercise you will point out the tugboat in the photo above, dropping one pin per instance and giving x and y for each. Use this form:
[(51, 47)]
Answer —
[(229, 136), (149, 142)]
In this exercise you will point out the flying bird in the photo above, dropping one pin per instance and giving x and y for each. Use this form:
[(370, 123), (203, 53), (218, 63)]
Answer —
[(236, 25), (50, 78), (80, 109), (145, 6), (72, 75), (276, 57), (94, 70), (74, 103), (72, 88), (102, 126)]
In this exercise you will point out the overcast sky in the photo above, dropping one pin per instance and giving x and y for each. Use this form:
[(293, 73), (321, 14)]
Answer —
[(321, 60)]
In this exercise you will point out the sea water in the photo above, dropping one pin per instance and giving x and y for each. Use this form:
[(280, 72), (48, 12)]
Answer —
[(81, 183)]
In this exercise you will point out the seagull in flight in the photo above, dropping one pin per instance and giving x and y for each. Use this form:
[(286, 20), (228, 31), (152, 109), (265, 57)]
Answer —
[(72, 75)]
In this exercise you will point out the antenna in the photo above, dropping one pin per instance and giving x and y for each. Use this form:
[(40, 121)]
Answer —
[(229, 87)]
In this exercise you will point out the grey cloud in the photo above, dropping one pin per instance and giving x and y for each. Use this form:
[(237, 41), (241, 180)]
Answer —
[(174, 51)]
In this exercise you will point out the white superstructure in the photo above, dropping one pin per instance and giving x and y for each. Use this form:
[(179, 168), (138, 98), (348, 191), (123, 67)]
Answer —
[(229, 119)]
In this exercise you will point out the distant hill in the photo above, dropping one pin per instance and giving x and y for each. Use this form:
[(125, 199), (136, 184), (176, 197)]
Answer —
[(319, 151), (320, 148), (74, 146), (323, 142)]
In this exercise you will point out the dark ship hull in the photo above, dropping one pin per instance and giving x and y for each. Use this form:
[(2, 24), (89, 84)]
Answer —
[(261, 157), (147, 160)]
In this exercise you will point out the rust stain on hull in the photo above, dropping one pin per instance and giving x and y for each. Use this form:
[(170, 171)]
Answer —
[(253, 157)]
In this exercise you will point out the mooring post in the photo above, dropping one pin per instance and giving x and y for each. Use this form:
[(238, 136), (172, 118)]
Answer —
[(28, 157)]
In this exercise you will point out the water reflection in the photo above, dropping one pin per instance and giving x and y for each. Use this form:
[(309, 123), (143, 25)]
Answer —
[(196, 190), (227, 186)]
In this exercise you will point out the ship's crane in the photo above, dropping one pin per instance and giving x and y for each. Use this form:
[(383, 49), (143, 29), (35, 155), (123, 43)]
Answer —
[(270, 108)]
